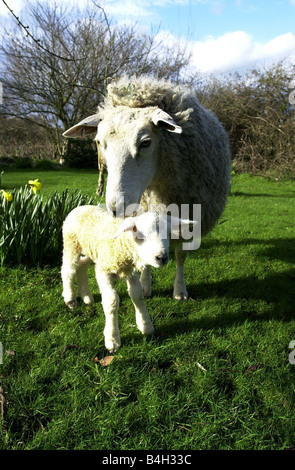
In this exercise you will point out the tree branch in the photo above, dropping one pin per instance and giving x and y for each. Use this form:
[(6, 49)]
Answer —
[(37, 41)]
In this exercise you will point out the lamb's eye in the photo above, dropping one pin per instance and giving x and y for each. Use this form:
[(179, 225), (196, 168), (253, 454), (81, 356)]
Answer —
[(145, 143), (139, 236)]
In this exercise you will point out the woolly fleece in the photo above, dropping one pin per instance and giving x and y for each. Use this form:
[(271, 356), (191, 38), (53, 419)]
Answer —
[(95, 239)]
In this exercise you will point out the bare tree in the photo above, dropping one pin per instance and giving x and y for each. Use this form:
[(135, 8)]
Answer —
[(56, 75)]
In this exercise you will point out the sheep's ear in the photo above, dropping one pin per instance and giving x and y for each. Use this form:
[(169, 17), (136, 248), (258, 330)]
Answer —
[(127, 225), (83, 128), (164, 120)]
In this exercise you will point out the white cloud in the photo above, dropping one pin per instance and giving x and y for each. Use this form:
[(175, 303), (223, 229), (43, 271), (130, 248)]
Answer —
[(148, 8), (15, 5), (127, 8), (228, 52), (237, 49)]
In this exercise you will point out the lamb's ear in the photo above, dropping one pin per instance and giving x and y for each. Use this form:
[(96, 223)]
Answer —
[(164, 120), (127, 225), (83, 128)]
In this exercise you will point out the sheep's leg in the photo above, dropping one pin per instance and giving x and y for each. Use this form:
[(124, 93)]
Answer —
[(145, 280), (68, 274), (110, 303), (180, 292), (143, 320), (82, 280)]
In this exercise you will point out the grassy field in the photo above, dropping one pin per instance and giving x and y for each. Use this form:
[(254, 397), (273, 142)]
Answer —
[(216, 374)]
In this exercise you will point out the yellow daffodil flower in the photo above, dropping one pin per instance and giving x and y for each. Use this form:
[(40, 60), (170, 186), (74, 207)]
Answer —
[(35, 185), (6, 195)]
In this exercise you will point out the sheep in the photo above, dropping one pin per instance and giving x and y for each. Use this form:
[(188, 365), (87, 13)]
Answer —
[(118, 249), (161, 146)]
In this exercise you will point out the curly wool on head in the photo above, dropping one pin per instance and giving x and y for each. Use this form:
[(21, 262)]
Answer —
[(146, 92)]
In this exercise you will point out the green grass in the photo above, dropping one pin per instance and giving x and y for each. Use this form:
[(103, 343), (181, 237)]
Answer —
[(58, 180), (237, 324)]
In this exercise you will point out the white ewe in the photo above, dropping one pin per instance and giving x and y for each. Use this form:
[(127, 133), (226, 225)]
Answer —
[(161, 147), (117, 248)]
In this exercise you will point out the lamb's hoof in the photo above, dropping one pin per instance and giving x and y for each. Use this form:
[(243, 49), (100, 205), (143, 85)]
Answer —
[(112, 346), (72, 304)]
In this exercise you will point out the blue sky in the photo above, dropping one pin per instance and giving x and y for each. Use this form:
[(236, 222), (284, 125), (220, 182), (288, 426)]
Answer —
[(261, 18), (222, 35)]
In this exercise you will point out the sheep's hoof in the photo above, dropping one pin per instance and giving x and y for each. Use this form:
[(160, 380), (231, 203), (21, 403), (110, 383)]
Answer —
[(181, 296), (147, 329), (88, 299), (147, 292), (72, 304)]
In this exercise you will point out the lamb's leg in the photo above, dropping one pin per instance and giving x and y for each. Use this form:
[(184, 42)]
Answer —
[(68, 274), (145, 280), (180, 292), (143, 320), (110, 303), (82, 280)]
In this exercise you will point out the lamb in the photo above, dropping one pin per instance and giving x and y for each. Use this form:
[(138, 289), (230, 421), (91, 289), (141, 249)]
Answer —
[(161, 147), (119, 249)]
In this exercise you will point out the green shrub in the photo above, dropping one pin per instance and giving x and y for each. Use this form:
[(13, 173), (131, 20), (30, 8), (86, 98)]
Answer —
[(256, 111), (22, 162), (44, 165), (6, 162), (31, 229), (81, 154)]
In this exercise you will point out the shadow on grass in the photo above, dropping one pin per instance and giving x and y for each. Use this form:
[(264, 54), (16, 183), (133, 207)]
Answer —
[(275, 290), (277, 248), (240, 193)]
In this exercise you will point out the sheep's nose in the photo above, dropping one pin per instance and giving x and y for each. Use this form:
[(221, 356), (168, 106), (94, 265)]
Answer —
[(111, 211), (115, 210), (162, 259)]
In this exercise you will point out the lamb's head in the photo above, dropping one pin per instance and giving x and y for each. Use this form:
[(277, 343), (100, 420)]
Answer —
[(129, 141), (151, 234)]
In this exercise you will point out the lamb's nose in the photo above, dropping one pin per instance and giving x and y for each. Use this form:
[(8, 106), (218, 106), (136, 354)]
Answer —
[(162, 259)]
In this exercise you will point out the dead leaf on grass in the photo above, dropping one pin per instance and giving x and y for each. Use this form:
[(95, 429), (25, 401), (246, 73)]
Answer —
[(253, 368), (3, 403), (105, 361), (71, 346), (9, 352)]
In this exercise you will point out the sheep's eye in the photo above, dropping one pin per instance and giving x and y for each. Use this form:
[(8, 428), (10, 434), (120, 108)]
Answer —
[(145, 143)]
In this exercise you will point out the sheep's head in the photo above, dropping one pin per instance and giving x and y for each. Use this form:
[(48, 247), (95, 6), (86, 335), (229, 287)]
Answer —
[(151, 234), (129, 142)]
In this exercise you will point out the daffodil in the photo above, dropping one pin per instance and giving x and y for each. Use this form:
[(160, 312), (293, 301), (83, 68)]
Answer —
[(6, 195), (35, 185)]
